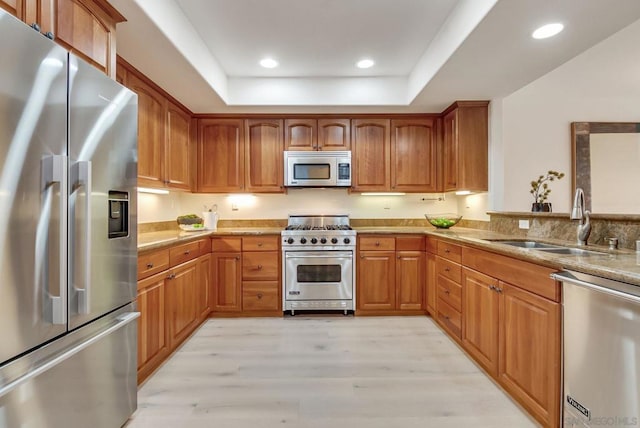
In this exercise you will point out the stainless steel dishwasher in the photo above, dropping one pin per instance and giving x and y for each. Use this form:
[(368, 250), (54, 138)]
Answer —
[(601, 332)]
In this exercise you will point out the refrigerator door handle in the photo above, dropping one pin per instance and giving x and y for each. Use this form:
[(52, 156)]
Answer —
[(121, 321), (54, 171), (83, 179)]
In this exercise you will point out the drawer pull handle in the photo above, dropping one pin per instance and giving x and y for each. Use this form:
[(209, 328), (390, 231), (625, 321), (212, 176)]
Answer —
[(171, 276), (259, 295), (446, 317), (446, 250), (186, 253), (259, 244), (447, 292), (149, 265), (447, 269)]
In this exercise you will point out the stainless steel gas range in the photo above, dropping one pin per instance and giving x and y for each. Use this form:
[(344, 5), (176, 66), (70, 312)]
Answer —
[(318, 263)]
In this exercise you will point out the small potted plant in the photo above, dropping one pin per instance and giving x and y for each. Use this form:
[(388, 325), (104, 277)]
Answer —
[(540, 191)]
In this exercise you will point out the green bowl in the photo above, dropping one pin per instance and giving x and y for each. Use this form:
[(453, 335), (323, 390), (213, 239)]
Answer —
[(443, 221)]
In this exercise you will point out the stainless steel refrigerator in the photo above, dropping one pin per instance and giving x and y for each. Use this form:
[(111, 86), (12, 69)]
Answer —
[(68, 321)]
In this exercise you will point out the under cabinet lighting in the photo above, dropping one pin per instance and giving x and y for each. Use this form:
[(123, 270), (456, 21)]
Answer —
[(154, 191), (383, 194), (463, 192), (547, 31)]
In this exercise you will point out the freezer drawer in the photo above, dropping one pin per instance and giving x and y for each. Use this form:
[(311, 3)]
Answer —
[(86, 379)]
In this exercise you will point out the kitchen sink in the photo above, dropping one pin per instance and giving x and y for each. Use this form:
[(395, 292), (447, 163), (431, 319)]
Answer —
[(571, 251), (526, 244)]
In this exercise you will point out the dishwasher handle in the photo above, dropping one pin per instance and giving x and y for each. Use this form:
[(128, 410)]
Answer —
[(567, 277)]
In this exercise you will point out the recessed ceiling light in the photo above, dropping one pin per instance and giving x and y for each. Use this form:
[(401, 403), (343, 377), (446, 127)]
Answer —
[(548, 30), (365, 63), (268, 63)]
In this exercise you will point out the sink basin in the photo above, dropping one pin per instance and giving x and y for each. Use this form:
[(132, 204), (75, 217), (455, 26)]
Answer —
[(571, 251), (526, 244)]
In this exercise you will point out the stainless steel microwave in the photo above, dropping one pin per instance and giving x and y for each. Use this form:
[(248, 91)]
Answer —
[(317, 169)]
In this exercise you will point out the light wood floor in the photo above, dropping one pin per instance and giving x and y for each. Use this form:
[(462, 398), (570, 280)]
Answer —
[(322, 371)]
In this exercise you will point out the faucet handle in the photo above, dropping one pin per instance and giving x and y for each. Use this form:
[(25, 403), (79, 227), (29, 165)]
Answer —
[(613, 243)]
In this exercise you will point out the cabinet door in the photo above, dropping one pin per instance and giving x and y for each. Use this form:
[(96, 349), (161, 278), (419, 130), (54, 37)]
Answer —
[(334, 134), (227, 282), (220, 155), (376, 280), (16, 8), (151, 128), (450, 156), (529, 367), (480, 321), (87, 28), (409, 280), (301, 134), (414, 155), (204, 292), (152, 335), (264, 158), (371, 162), (177, 149), (432, 276), (181, 301)]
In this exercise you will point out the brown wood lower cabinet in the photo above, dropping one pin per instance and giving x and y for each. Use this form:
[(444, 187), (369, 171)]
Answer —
[(153, 345), (181, 292), (390, 274), (204, 295), (227, 280)]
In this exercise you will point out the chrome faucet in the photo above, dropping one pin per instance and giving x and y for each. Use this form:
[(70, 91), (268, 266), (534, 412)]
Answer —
[(580, 213)]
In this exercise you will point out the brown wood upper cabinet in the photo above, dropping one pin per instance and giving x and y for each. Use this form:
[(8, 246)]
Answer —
[(220, 155), (370, 155), (465, 158), (85, 27), (164, 136), (414, 155), (317, 134), (263, 155)]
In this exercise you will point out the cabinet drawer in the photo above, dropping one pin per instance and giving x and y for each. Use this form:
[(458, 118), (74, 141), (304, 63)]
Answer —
[(182, 253), (410, 243), (226, 245), (151, 263), (260, 243), (449, 251), (377, 243), (448, 269), (450, 292), (260, 265), (260, 295), (449, 318)]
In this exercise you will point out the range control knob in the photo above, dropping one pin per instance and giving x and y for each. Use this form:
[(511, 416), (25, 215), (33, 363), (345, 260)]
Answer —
[(323, 240), (314, 241), (334, 240), (303, 240), (290, 241), (347, 240)]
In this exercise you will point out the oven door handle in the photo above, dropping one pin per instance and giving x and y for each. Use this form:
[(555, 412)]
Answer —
[(332, 256)]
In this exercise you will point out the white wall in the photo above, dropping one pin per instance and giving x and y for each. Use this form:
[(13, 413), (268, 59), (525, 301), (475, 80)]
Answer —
[(601, 84), (154, 208)]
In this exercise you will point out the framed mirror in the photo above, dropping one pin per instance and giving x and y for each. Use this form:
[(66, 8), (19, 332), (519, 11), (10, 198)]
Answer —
[(606, 165)]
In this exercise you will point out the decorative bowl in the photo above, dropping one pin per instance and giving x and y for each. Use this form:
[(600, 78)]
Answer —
[(443, 221), (192, 227)]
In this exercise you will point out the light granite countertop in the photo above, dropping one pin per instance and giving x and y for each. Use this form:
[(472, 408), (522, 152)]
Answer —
[(621, 265)]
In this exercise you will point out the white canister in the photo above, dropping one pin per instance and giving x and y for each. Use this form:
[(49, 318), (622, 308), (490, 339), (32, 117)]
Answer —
[(210, 220)]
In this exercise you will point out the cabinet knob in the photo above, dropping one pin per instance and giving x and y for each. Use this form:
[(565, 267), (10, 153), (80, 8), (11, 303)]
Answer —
[(259, 244), (149, 265), (259, 267), (499, 290), (447, 292), (171, 276), (186, 253), (377, 243), (259, 295), (398, 257), (447, 250), (447, 269), (362, 257), (237, 257), (35, 26)]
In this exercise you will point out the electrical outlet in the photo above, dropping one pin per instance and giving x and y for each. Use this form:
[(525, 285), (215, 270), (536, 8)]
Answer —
[(523, 224), (234, 207)]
